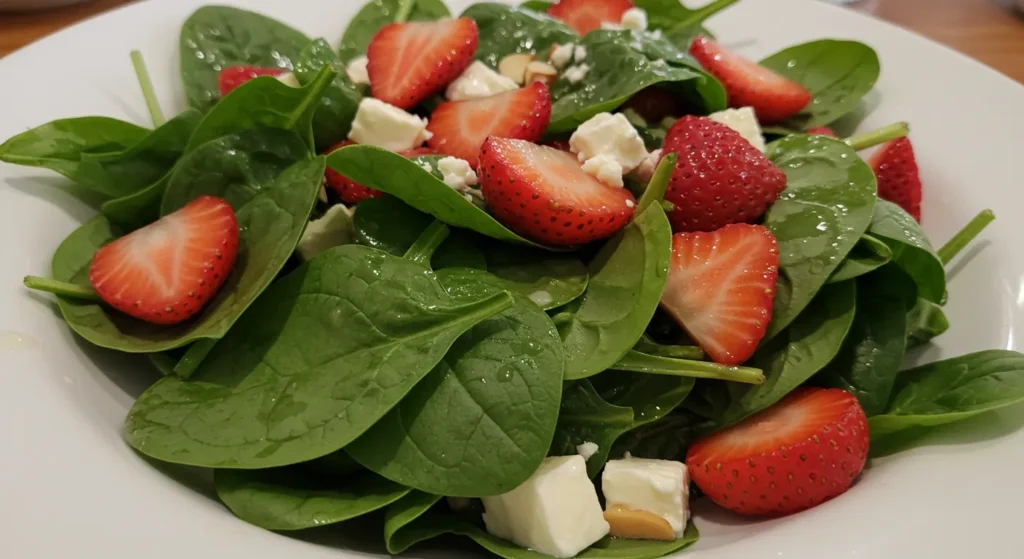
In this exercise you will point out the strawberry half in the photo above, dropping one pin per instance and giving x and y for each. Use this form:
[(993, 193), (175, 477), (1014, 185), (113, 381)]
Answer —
[(234, 76), (822, 131), (167, 271), (773, 97), (411, 61), (721, 286), (352, 192), (898, 178), (584, 16), (542, 193), (719, 177), (799, 453), (459, 128)]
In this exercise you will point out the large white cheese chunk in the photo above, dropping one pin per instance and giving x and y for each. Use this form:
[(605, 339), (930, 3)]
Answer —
[(386, 126), (744, 121), (477, 81), (333, 229), (356, 70), (658, 487), (606, 139), (555, 512), (634, 19)]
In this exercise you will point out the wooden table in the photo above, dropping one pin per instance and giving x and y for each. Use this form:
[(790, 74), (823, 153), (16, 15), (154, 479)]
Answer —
[(981, 29)]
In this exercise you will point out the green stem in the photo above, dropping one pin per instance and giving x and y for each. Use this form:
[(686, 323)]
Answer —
[(426, 244), (677, 351), (562, 318), (965, 236), (62, 288), (148, 92), (699, 15), (404, 9), (638, 362), (880, 136), (193, 357), (655, 191)]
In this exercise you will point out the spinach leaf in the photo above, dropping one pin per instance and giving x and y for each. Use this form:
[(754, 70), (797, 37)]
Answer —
[(104, 155), (378, 13), (867, 255), (924, 322), (548, 279), (824, 211), (640, 362), (837, 73), (326, 353), (294, 498), (626, 280), (333, 119), (810, 343), (910, 249), (617, 72), (391, 173), (399, 536), (481, 422), (139, 208), (270, 225), (952, 390), (216, 37), (506, 30), (664, 439), (540, 6)]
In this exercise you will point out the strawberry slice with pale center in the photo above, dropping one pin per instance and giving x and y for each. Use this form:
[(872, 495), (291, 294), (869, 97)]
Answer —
[(584, 16), (167, 271), (721, 286)]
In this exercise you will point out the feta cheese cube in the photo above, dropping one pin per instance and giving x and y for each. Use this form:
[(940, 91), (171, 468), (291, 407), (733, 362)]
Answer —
[(634, 19), (356, 70), (477, 81), (614, 140), (579, 54), (555, 512), (386, 126), (587, 449), (333, 229), (575, 74), (457, 173), (289, 79), (647, 499), (743, 121), (561, 55), (605, 169)]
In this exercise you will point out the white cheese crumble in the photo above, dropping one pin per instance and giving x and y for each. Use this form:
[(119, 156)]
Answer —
[(645, 172), (386, 126), (608, 146), (660, 487), (478, 81), (605, 169), (587, 449), (579, 54), (333, 229), (561, 55), (457, 173), (634, 19), (575, 74), (426, 167), (743, 121), (356, 70)]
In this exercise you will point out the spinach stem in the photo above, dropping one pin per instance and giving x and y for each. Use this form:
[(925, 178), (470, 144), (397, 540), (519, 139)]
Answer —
[(148, 93), (61, 288), (699, 15), (965, 236), (404, 9), (426, 244), (193, 357), (638, 362), (678, 351), (562, 318), (655, 190), (880, 136)]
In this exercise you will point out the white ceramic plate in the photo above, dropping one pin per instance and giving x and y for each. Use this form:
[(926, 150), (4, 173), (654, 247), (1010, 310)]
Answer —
[(69, 485)]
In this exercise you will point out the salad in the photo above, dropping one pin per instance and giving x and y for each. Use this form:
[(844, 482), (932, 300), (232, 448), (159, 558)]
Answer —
[(532, 275)]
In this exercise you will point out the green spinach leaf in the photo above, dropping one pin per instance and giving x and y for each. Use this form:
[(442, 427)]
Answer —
[(924, 322), (326, 353), (216, 37), (639, 362), (378, 13), (606, 548), (506, 30), (399, 535), (548, 279), (837, 73), (333, 119), (664, 439), (294, 498), (867, 255), (910, 249), (540, 6), (824, 211)]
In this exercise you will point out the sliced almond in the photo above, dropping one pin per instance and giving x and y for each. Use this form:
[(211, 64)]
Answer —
[(537, 71), (637, 524), (514, 66)]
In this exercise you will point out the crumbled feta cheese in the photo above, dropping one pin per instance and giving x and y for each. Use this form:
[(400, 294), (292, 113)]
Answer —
[(426, 166), (331, 230), (656, 33), (657, 487), (575, 74), (744, 121), (356, 70), (386, 126), (579, 54), (630, 204), (543, 299), (587, 449), (457, 173), (645, 172), (561, 55), (608, 139), (605, 169), (479, 81), (555, 512), (634, 19), (289, 79)]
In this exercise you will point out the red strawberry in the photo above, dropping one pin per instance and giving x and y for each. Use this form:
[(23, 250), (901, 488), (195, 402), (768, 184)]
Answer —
[(234, 76), (460, 127), (654, 104), (585, 16), (411, 61), (352, 192), (799, 453), (165, 272), (721, 286), (719, 178), (898, 179), (748, 84), (822, 131), (542, 193)]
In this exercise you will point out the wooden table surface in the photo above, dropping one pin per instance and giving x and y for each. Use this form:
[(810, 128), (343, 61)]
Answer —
[(982, 29)]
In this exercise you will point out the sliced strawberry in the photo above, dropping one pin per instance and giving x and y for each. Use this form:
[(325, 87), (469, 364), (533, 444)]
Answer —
[(721, 286), (411, 61), (719, 177), (773, 97), (459, 128), (898, 178), (655, 104), (234, 76), (822, 131), (165, 272), (542, 193), (799, 453), (352, 192), (585, 16)]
